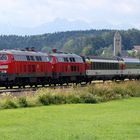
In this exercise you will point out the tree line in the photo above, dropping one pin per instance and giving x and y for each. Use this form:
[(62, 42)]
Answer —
[(89, 42)]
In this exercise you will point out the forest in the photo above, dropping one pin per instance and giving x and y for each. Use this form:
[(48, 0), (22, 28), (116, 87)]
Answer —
[(88, 42)]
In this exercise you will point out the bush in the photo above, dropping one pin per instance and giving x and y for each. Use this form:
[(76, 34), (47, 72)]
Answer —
[(8, 104), (22, 102), (76, 94), (73, 99), (88, 98), (44, 99)]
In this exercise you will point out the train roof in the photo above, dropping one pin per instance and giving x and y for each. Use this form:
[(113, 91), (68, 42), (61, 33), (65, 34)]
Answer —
[(103, 59), (65, 55), (20, 52), (131, 60)]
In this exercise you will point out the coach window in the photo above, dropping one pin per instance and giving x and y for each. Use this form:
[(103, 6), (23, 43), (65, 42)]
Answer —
[(32, 58), (73, 59), (93, 65), (112, 66), (108, 66), (66, 59), (3, 57), (38, 58), (115, 66), (28, 58), (104, 65), (96, 65), (60, 59), (101, 65)]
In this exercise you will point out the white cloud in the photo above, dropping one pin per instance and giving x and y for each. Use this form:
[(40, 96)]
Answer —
[(35, 12)]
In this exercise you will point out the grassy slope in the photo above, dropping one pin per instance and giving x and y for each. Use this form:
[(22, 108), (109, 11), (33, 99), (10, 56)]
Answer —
[(112, 120)]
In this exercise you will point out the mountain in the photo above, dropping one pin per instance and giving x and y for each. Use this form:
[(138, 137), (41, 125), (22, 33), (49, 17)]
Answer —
[(59, 25)]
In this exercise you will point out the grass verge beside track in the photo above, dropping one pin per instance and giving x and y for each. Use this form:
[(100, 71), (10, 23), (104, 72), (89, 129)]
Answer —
[(115, 120), (74, 95)]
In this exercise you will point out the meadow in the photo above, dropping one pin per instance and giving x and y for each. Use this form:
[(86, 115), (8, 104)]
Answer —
[(114, 120)]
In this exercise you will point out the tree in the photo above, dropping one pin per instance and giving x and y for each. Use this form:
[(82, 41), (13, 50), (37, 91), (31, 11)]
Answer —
[(87, 50)]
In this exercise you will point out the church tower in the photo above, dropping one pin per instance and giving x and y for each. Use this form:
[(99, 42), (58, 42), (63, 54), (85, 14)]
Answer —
[(117, 44)]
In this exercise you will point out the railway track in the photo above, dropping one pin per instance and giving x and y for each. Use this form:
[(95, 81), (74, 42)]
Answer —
[(16, 90)]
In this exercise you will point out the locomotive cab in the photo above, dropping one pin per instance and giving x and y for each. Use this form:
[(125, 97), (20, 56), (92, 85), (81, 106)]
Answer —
[(5, 60)]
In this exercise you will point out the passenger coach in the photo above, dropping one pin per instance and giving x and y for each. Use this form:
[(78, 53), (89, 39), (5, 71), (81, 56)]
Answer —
[(104, 68), (132, 68)]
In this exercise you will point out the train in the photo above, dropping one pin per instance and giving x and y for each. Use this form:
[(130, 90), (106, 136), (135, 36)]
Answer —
[(29, 67)]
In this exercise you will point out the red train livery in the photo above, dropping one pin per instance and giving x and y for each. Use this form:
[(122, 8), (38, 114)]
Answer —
[(24, 67), (67, 68), (21, 68)]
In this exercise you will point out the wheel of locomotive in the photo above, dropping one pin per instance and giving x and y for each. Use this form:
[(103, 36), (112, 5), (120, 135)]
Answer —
[(11, 86)]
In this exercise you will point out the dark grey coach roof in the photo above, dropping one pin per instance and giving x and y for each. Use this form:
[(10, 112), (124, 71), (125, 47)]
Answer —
[(131, 60)]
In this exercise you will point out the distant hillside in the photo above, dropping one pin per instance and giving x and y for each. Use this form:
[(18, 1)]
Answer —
[(80, 42)]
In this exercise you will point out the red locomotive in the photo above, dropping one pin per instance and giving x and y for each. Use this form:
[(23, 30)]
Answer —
[(21, 68), (24, 68), (67, 67)]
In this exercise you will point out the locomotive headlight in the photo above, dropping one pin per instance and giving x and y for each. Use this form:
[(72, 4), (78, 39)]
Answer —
[(3, 71)]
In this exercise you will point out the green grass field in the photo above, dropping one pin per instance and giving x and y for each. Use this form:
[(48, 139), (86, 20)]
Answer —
[(115, 120)]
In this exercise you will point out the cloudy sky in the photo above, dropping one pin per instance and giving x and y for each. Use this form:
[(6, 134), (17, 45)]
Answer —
[(31, 13)]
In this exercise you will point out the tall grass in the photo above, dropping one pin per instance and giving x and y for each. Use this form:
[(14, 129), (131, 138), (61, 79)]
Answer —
[(93, 93)]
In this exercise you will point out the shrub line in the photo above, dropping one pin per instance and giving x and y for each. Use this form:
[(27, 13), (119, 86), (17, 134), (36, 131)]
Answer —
[(76, 94)]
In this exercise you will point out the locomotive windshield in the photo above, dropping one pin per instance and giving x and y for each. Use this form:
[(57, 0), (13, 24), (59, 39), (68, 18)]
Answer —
[(3, 57)]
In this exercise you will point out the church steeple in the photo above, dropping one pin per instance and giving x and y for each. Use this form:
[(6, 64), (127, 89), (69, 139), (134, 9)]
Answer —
[(117, 44)]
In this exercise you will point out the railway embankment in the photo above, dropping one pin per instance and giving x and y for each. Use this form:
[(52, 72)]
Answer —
[(90, 94)]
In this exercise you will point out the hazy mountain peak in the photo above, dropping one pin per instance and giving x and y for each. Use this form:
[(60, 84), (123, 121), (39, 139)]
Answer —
[(58, 25)]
